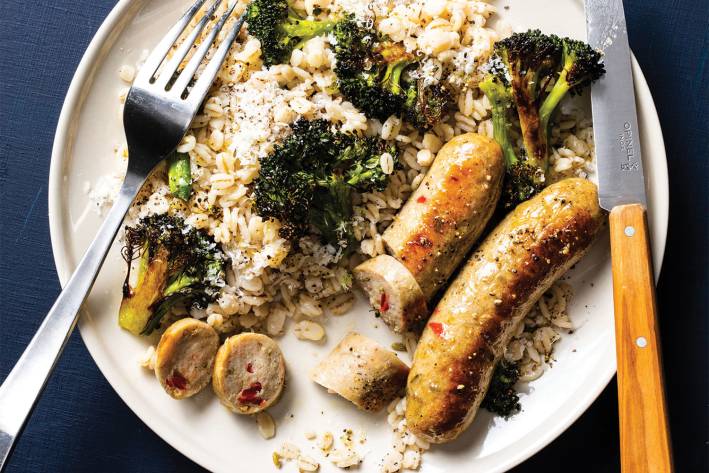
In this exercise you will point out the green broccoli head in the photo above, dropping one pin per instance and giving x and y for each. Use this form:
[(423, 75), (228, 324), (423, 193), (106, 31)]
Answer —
[(425, 106), (364, 170), (178, 265), (308, 180), (522, 181), (284, 192), (501, 397), (531, 59), (374, 84), (360, 69), (374, 74), (364, 92), (281, 29), (583, 65), (518, 83), (353, 45), (580, 66)]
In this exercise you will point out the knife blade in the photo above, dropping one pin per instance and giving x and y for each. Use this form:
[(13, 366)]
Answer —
[(615, 122)]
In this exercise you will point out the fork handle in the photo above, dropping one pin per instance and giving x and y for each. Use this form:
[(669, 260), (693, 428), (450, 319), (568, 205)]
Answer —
[(22, 387), (644, 432)]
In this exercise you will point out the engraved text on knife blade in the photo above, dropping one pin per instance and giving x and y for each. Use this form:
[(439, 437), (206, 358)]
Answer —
[(626, 141)]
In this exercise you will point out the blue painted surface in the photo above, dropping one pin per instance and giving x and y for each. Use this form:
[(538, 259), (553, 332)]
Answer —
[(80, 424)]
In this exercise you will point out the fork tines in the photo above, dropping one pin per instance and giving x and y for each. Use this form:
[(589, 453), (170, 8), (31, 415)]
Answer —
[(167, 77)]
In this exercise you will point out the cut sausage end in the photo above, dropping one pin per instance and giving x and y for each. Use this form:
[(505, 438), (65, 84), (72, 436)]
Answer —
[(393, 292), (363, 372), (446, 214), (249, 373), (184, 357)]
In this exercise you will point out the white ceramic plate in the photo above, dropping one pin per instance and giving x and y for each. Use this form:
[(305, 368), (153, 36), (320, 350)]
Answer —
[(90, 128)]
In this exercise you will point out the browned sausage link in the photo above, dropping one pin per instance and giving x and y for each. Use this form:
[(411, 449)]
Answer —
[(468, 331), (446, 214)]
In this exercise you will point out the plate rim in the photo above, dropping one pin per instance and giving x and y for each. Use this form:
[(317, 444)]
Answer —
[(82, 81)]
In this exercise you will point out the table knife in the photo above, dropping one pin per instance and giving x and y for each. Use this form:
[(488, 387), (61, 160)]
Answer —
[(644, 432)]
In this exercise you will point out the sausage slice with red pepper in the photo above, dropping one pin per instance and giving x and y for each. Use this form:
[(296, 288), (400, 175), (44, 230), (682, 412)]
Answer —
[(185, 356), (393, 292), (249, 373)]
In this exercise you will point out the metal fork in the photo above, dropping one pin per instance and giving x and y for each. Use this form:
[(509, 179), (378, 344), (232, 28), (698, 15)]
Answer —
[(158, 110)]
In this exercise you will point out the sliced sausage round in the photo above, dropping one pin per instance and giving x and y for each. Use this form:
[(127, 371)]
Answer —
[(363, 372), (184, 357), (393, 292), (249, 373), (474, 321), (442, 219)]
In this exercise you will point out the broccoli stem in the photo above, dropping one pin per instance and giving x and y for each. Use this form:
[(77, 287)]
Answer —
[(179, 283), (558, 92), (530, 126), (178, 264), (392, 76), (179, 175), (499, 131), (161, 311), (356, 179), (332, 212), (306, 29), (500, 101), (135, 310), (561, 88)]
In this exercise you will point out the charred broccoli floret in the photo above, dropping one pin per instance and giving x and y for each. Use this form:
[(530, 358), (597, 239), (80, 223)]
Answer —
[(308, 180), (281, 29), (378, 90), (580, 66), (426, 105), (177, 265), (501, 397), (353, 46), (374, 74), (518, 84)]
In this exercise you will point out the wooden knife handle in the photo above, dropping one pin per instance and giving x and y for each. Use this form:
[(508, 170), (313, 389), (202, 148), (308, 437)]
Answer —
[(644, 432)]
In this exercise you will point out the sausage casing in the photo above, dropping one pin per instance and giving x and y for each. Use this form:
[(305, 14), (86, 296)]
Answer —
[(474, 321), (393, 292)]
